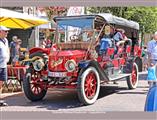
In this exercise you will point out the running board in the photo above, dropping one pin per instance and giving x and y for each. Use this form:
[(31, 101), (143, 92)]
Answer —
[(119, 76)]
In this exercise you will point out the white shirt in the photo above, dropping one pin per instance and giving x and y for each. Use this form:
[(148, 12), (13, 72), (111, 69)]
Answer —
[(152, 49), (4, 53)]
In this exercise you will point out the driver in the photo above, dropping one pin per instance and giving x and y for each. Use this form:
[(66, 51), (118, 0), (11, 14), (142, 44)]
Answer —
[(87, 36)]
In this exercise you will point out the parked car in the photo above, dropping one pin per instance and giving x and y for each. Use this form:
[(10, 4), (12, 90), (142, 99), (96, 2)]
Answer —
[(86, 57)]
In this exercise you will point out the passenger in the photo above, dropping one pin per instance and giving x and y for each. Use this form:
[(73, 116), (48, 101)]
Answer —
[(119, 38), (105, 40)]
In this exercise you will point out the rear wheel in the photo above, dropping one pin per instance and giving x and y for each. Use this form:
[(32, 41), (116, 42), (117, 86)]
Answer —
[(132, 80), (33, 86), (88, 86)]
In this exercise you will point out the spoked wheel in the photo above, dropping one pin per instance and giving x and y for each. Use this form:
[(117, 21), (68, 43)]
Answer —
[(34, 87), (132, 80), (88, 86)]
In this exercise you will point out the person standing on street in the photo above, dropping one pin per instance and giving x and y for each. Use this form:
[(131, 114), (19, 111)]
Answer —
[(13, 48), (4, 58), (152, 50), (152, 60)]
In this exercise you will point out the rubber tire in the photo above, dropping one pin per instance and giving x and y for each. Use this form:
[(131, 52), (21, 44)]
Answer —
[(27, 90), (129, 81), (81, 80)]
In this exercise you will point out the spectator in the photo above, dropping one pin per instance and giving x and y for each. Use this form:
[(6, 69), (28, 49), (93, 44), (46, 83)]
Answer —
[(145, 58), (12, 48), (4, 58), (152, 50), (152, 57), (17, 52), (151, 75)]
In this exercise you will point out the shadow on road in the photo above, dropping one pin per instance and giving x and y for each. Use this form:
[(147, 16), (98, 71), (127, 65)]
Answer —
[(56, 100), (109, 90)]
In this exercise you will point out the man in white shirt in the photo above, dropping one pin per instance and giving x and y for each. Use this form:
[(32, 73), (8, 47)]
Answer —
[(152, 50), (4, 58)]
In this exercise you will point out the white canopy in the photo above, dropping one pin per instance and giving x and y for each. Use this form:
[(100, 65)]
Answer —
[(119, 21)]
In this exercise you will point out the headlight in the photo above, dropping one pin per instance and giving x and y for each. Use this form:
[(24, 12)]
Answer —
[(70, 65), (38, 64)]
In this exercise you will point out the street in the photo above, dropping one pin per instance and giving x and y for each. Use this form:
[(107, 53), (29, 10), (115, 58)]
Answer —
[(111, 98)]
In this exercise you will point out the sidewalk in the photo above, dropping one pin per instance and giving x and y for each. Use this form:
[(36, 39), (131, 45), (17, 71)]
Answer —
[(6, 95)]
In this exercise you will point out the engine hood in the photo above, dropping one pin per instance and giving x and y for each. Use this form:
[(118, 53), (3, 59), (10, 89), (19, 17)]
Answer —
[(65, 53), (57, 59)]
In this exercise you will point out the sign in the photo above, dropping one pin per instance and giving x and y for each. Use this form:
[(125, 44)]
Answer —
[(75, 11)]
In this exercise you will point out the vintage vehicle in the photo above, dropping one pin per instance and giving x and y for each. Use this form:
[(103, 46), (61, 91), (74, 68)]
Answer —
[(86, 57)]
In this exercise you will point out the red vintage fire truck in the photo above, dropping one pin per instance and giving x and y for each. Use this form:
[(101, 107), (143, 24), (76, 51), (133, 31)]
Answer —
[(87, 55)]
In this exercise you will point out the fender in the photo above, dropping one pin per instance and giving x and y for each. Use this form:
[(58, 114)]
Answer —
[(129, 64), (32, 59), (87, 63), (38, 49)]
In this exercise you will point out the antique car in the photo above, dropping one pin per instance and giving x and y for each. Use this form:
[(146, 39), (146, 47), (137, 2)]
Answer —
[(86, 57)]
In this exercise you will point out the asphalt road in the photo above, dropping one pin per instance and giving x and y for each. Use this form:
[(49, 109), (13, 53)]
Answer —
[(111, 98)]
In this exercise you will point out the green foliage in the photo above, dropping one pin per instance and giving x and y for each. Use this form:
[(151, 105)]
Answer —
[(145, 16)]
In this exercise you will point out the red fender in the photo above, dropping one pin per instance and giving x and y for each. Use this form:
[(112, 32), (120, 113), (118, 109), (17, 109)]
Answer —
[(35, 49)]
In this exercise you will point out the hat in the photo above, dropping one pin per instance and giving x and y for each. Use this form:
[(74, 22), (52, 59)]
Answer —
[(155, 33), (4, 28)]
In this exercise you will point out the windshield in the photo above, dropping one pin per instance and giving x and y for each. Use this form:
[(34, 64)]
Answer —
[(75, 30)]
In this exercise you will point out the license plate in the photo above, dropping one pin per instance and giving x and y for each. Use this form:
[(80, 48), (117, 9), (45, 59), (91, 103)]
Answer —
[(57, 74)]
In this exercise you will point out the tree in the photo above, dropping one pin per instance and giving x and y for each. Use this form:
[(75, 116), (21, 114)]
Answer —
[(54, 11), (145, 16)]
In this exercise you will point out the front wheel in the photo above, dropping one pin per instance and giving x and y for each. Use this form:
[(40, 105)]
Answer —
[(33, 86), (132, 80), (88, 86)]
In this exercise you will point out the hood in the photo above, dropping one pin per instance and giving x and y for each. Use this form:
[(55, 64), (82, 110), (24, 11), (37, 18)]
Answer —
[(57, 59)]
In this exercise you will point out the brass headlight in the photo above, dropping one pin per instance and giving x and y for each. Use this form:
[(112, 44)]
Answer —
[(70, 65), (38, 64)]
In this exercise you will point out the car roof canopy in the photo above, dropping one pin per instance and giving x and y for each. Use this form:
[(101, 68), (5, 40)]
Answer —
[(119, 21), (107, 17)]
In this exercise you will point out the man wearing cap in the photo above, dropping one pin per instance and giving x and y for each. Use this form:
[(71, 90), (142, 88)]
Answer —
[(152, 50), (4, 57)]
